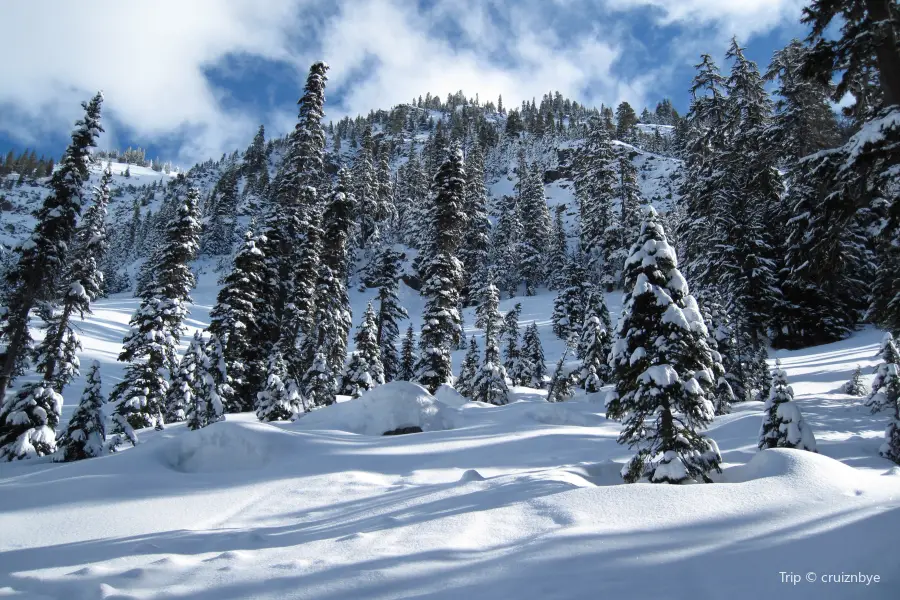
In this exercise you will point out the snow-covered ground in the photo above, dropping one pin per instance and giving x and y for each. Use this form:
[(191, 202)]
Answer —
[(521, 501)]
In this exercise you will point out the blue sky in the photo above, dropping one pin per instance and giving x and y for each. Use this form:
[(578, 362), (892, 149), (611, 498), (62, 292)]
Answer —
[(191, 80)]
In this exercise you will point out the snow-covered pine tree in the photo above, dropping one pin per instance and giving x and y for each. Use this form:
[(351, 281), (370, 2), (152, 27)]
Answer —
[(465, 383), (184, 385), (214, 392), (594, 308), (509, 332), (569, 305), (82, 283), (197, 407), (333, 314), (719, 326), (661, 368), (703, 147), (408, 356), (291, 232), (85, 435), (42, 260), (490, 381), (561, 382), (533, 355), (280, 400), (783, 425), (218, 235), (236, 319), (366, 192), (558, 251), (319, 382), (386, 278), (855, 387), (150, 348), (505, 240), (594, 347), (364, 369), (536, 228), (596, 183), (889, 356), (862, 56), (443, 274), (888, 397), (477, 238), (826, 260)]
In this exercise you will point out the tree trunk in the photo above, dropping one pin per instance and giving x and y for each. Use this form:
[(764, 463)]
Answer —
[(50, 370), (886, 52)]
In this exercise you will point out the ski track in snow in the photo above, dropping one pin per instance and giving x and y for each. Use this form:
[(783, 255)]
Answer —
[(519, 501)]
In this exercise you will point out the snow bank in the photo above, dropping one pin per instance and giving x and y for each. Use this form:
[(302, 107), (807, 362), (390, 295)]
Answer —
[(799, 469), (221, 447), (448, 395), (394, 405)]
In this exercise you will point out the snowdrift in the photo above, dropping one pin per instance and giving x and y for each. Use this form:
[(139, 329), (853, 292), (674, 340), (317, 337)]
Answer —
[(395, 405), (223, 447)]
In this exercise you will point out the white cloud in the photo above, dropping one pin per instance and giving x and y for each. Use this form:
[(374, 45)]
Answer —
[(149, 58), (742, 18)]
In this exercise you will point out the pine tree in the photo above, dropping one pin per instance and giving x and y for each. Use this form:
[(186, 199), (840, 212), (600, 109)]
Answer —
[(292, 234), (596, 182), (889, 355), (507, 234), (535, 231), (214, 393), (156, 326), (783, 425), (509, 331), (218, 234), (466, 381), (366, 193), (82, 284), (595, 346), (561, 382), (333, 318), (440, 317), (596, 316), (557, 252), (364, 369), (815, 308), (236, 319), (569, 305), (477, 238), (863, 56), (490, 381), (855, 386), (184, 385), (280, 400), (386, 277), (661, 368), (408, 357), (42, 260), (533, 356), (704, 143), (85, 436)]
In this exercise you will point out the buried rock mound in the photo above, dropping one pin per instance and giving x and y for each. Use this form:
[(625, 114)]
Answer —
[(404, 430), (395, 408)]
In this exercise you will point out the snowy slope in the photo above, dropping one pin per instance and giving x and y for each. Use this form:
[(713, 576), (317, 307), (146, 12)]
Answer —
[(519, 501)]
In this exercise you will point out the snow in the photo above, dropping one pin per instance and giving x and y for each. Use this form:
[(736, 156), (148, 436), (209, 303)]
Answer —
[(388, 407), (523, 500)]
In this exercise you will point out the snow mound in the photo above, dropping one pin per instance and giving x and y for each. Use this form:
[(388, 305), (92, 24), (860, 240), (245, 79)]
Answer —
[(471, 475), (800, 469), (448, 395), (388, 407), (219, 448)]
